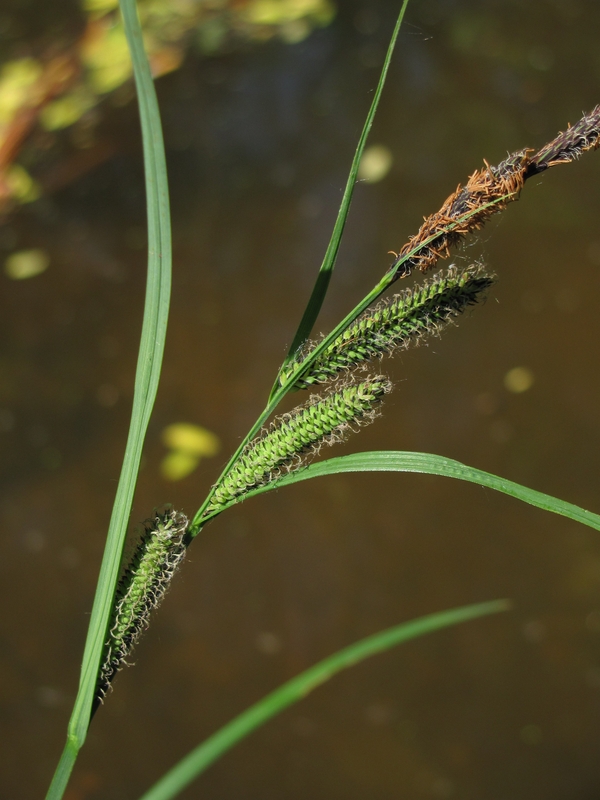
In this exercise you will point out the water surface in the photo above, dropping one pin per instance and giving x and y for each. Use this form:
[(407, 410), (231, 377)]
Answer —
[(259, 143)]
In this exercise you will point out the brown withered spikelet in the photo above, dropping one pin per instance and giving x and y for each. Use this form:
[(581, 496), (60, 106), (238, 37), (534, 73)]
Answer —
[(487, 192)]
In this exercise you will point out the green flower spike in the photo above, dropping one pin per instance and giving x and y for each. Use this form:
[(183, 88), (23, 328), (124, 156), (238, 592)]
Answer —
[(320, 421), (396, 323), (141, 588)]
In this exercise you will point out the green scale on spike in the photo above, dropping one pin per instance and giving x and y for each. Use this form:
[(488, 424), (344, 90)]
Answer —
[(304, 430), (142, 587), (405, 319)]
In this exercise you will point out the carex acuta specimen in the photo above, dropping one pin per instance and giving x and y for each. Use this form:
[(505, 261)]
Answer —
[(351, 402)]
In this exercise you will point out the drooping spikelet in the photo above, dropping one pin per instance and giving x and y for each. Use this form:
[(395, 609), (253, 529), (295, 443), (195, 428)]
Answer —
[(487, 192), (144, 582), (396, 323), (302, 431)]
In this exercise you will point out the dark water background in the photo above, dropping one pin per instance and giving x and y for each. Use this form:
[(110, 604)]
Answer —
[(258, 147)]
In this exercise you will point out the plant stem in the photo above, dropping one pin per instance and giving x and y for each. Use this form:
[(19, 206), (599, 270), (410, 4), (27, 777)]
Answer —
[(64, 768)]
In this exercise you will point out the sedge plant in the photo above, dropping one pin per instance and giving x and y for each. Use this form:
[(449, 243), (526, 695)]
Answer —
[(344, 366)]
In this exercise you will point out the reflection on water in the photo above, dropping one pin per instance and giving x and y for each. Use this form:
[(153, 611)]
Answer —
[(259, 143)]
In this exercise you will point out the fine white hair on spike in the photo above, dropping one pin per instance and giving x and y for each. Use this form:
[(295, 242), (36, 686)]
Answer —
[(145, 580), (300, 433)]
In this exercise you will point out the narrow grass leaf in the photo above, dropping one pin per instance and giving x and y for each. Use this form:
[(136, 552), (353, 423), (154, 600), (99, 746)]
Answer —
[(190, 767), (154, 327), (322, 283), (430, 464)]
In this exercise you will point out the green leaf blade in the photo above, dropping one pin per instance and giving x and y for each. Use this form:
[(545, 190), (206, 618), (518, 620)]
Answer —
[(322, 282), (199, 759), (431, 464), (156, 308)]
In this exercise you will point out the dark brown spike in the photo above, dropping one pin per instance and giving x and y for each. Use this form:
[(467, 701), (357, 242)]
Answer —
[(570, 144)]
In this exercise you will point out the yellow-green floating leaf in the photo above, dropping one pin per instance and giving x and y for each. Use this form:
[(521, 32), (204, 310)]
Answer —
[(20, 184), (518, 379), (26, 264), (192, 439), (178, 465), (375, 164)]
